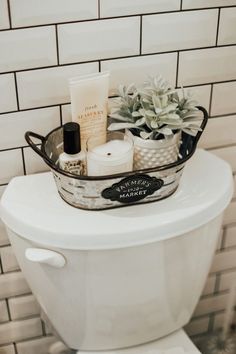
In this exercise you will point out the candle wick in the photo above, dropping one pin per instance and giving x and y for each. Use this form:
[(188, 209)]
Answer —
[(108, 154)]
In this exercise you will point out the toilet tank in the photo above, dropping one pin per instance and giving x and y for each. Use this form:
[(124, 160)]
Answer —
[(126, 276)]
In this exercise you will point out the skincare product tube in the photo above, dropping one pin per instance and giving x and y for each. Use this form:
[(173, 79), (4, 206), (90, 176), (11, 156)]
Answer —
[(89, 98)]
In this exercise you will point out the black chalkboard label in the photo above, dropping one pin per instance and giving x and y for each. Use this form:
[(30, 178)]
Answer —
[(133, 188)]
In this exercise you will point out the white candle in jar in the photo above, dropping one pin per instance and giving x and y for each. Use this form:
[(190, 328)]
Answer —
[(116, 156)]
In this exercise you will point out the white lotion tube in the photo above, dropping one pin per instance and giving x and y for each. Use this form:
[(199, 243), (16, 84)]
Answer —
[(89, 98)]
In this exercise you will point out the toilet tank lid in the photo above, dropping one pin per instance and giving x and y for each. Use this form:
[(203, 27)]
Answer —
[(32, 208)]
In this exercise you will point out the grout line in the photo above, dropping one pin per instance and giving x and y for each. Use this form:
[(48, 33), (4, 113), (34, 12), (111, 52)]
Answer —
[(20, 295), (223, 241), (218, 26), (211, 322), (177, 70), (15, 148), (226, 249), (43, 328), (222, 147), (57, 45), (60, 107), (8, 310), (23, 160), (127, 57), (223, 115), (201, 338), (99, 65), (209, 296), (207, 315), (31, 338), (181, 5), (10, 149), (217, 284), (21, 340), (231, 224), (99, 9), (210, 102), (11, 271), (116, 17), (1, 267), (65, 103), (222, 272), (15, 347), (9, 14), (17, 95), (35, 108), (61, 120), (140, 35)]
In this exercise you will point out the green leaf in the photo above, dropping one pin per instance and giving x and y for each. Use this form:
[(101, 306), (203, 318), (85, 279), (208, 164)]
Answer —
[(154, 124), (140, 121), (165, 131), (150, 113), (145, 135), (136, 114), (119, 126)]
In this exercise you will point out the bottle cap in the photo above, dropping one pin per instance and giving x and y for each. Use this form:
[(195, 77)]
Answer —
[(71, 138)]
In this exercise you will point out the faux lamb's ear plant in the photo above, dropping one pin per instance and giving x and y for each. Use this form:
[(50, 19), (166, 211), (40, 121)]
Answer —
[(154, 109), (126, 109)]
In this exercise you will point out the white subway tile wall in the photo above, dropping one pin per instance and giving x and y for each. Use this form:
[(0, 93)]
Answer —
[(102, 39), (203, 26), (197, 326), (4, 317), (4, 18), (226, 280), (194, 4), (23, 306), (51, 11), (210, 285), (45, 87), (234, 196), (230, 237), (216, 134), (111, 8), (13, 284), (40, 120), (43, 44), (228, 154), (229, 217), (8, 100), (223, 99), (13, 165), (15, 331), (7, 349), (227, 29), (33, 163), (9, 262), (36, 346), (28, 48), (3, 234), (207, 65), (137, 69)]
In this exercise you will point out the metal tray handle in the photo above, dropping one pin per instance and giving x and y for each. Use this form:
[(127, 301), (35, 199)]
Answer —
[(203, 124), (28, 136), (190, 140)]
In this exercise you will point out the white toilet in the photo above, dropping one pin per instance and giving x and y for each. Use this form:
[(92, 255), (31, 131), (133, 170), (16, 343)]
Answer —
[(119, 280)]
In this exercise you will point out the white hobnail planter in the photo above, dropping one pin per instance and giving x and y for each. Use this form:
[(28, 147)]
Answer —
[(153, 153)]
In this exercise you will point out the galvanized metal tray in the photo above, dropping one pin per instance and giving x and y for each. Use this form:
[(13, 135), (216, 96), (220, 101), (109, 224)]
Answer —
[(106, 192)]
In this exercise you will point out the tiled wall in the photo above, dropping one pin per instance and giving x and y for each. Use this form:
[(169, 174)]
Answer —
[(43, 43)]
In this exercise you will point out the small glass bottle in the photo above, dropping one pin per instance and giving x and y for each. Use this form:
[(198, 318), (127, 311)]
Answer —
[(73, 159)]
